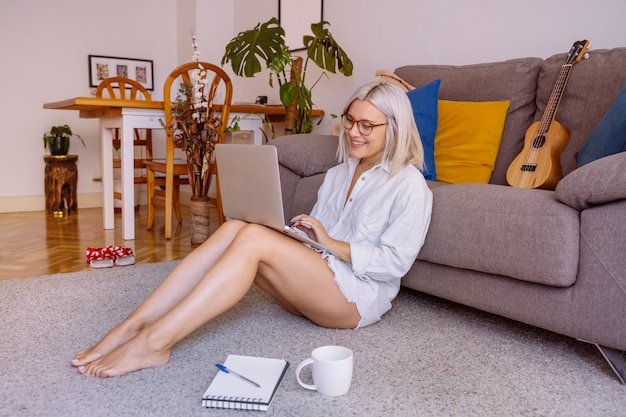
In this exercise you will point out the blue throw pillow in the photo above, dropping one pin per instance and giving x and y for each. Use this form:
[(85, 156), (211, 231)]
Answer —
[(424, 101), (609, 136)]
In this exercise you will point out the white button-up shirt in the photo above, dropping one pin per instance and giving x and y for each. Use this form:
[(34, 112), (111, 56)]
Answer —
[(385, 220)]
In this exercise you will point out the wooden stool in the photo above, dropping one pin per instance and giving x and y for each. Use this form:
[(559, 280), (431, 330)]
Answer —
[(60, 179)]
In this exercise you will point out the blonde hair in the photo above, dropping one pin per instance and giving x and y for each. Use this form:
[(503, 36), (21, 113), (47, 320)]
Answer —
[(403, 143)]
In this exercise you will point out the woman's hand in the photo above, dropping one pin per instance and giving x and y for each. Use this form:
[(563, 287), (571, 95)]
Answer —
[(316, 231), (312, 227)]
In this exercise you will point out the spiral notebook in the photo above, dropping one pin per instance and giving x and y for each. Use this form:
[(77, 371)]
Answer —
[(229, 391)]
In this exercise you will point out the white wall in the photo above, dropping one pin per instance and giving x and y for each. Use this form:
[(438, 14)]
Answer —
[(44, 47)]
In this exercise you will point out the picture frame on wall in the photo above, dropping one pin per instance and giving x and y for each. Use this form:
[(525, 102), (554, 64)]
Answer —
[(296, 17), (102, 67)]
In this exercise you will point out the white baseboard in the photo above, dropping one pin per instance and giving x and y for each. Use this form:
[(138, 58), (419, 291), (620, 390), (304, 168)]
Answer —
[(38, 202), (85, 200)]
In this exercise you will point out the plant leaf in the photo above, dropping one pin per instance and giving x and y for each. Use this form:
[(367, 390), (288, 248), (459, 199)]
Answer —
[(279, 62), (325, 51), (288, 93), (261, 43)]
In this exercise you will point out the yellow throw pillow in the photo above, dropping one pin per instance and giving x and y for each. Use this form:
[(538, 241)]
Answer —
[(468, 139)]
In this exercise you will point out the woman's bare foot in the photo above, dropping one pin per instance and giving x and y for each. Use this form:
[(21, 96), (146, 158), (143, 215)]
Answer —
[(132, 356), (115, 338)]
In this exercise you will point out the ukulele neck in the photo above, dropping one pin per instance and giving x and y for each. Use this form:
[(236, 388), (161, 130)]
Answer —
[(555, 98)]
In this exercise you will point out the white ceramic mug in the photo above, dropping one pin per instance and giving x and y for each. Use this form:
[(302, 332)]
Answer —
[(332, 370)]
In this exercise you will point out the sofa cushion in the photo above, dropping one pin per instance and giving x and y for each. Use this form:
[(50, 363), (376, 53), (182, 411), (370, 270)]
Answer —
[(521, 233), (599, 182), (424, 102), (592, 87), (468, 139), (514, 80), (609, 136), (295, 151), (303, 198)]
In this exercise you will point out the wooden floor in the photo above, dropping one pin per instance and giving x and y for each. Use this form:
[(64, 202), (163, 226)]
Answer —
[(37, 243)]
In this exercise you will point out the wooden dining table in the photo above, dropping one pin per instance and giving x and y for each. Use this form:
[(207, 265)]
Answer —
[(127, 115)]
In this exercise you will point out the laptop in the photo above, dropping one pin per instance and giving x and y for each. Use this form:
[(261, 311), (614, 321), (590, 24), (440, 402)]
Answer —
[(250, 187)]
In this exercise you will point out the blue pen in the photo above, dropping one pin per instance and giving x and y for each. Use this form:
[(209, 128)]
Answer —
[(230, 371)]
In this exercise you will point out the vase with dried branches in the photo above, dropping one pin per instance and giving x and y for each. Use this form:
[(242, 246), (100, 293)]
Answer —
[(196, 129)]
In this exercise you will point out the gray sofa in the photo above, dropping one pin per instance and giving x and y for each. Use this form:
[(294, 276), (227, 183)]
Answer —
[(551, 259)]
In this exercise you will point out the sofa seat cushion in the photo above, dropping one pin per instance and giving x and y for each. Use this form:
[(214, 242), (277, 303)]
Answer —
[(521, 233), (513, 80)]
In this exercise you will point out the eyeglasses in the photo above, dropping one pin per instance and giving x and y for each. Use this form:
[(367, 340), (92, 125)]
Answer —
[(363, 126)]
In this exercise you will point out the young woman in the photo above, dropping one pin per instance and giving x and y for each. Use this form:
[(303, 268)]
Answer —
[(373, 211)]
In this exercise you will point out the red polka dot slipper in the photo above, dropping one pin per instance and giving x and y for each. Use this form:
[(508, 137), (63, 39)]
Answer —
[(100, 257), (123, 256)]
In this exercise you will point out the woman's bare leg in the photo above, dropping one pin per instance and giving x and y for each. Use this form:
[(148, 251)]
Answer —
[(299, 275), (168, 294)]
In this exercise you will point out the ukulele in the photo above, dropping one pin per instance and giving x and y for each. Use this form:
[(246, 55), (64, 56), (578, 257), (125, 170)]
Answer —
[(539, 163)]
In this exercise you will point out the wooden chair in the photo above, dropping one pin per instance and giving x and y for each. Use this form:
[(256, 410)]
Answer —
[(166, 193), (121, 88)]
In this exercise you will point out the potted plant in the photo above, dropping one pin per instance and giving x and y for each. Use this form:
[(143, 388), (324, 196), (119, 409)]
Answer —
[(266, 42), (58, 139)]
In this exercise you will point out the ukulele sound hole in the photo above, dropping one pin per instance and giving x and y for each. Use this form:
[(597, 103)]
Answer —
[(539, 141)]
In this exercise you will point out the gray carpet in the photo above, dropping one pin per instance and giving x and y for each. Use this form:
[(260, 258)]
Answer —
[(427, 357)]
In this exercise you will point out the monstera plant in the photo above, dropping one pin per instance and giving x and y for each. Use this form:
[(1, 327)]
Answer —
[(265, 45)]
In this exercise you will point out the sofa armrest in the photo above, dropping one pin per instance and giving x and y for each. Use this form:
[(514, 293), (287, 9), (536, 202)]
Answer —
[(307, 154), (598, 182)]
